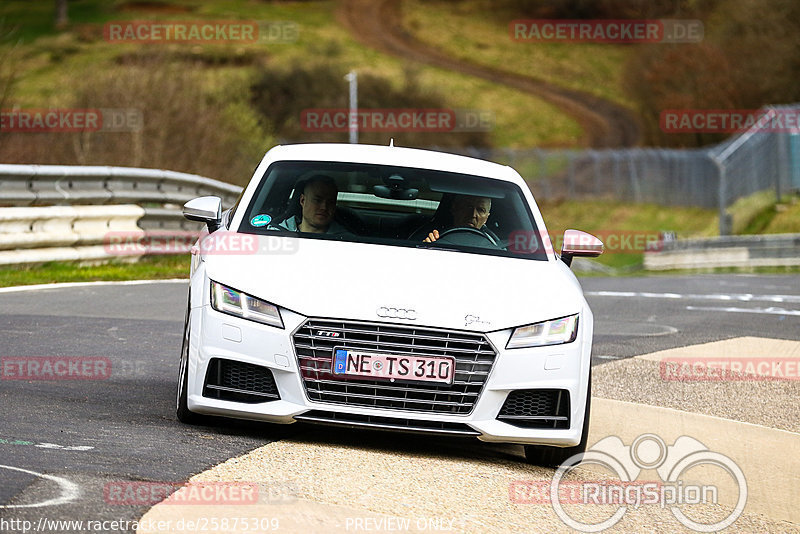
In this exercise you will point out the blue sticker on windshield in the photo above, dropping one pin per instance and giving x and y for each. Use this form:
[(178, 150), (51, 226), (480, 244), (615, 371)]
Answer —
[(260, 220)]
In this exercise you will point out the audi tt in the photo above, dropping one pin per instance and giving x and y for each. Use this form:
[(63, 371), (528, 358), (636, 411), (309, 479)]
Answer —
[(388, 288)]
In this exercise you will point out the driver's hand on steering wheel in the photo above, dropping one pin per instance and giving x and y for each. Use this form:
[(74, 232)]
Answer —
[(433, 236)]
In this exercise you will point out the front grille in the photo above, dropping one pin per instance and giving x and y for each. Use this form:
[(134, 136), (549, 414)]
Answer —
[(239, 382), (387, 423), (536, 408), (473, 354)]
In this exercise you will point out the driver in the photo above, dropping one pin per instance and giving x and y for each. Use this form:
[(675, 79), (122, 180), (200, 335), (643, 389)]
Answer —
[(467, 211)]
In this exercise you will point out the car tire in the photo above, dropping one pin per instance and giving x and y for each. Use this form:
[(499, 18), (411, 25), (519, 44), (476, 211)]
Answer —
[(547, 456), (182, 407)]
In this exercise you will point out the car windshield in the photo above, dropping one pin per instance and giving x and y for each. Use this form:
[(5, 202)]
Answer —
[(394, 206)]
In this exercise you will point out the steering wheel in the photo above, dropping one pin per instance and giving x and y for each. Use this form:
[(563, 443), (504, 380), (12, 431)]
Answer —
[(465, 232)]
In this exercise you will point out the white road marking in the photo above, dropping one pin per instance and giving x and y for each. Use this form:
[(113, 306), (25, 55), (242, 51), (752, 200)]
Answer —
[(43, 445), (64, 447), (612, 328), (740, 297), (69, 490), (769, 311), (38, 287)]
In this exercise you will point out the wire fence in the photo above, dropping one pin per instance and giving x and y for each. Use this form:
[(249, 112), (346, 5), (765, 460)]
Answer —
[(755, 160)]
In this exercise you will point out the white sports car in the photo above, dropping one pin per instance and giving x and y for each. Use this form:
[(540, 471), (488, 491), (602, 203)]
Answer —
[(389, 288)]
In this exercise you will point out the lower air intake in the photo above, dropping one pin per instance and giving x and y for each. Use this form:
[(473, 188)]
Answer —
[(239, 382)]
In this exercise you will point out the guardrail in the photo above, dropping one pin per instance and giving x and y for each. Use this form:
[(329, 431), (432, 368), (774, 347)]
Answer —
[(66, 212), (61, 233), (133, 201), (37, 185), (769, 250)]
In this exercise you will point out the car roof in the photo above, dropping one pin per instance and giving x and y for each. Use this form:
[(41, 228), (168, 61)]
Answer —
[(395, 156)]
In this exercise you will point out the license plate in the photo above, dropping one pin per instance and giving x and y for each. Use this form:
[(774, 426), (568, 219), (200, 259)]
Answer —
[(393, 366)]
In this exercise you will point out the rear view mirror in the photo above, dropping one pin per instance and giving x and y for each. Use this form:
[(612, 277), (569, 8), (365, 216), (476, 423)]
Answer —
[(395, 189), (205, 209), (577, 243)]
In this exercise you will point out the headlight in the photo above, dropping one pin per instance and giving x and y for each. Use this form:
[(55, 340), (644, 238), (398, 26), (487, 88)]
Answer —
[(553, 332), (227, 300)]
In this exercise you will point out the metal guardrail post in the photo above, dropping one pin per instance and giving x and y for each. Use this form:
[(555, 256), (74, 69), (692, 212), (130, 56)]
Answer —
[(793, 161), (783, 163), (724, 220)]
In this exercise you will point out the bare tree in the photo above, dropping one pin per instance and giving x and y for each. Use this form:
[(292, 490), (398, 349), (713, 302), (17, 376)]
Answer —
[(7, 68), (61, 14)]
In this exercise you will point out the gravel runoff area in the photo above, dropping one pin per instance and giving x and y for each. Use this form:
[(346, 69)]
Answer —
[(330, 480), (766, 402), (435, 488)]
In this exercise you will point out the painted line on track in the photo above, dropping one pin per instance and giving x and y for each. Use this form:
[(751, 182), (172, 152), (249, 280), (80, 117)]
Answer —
[(740, 297), (767, 311), (64, 285), (69, 490), (45, 445)]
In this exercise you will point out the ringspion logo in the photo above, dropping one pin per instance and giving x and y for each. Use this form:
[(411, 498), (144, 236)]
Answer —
[(689, 474)]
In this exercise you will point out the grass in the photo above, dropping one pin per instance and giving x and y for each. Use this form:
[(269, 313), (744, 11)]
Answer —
[(755, 214), (148, 268), (168, 267), (774, 217), (608, 220), (752, 213), (466, 31), (49, 63), (626, 228)]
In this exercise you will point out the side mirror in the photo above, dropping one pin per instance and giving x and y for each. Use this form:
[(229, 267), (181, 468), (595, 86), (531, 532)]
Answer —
[(205, 209), (577, 243)]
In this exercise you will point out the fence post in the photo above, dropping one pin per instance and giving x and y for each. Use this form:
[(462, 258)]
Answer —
[(783, 163), (724, 220), (571, 175), (635, 186), (596, 172)]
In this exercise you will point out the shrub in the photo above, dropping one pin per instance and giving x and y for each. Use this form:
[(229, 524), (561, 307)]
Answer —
[(281, 95), (187, 126)]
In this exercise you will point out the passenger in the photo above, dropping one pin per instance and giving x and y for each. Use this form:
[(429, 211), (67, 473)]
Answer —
[(467, 211), (317, 208)]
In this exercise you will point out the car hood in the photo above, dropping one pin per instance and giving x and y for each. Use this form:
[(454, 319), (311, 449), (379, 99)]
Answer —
[(357, 281)]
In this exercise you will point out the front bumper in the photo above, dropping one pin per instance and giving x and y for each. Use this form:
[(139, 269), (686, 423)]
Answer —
[(216, 336)]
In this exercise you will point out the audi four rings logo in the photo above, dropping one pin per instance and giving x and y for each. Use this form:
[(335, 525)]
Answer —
[(397, 313)]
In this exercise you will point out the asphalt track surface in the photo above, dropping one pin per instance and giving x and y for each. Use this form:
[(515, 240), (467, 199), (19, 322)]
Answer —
[(128, 419)]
